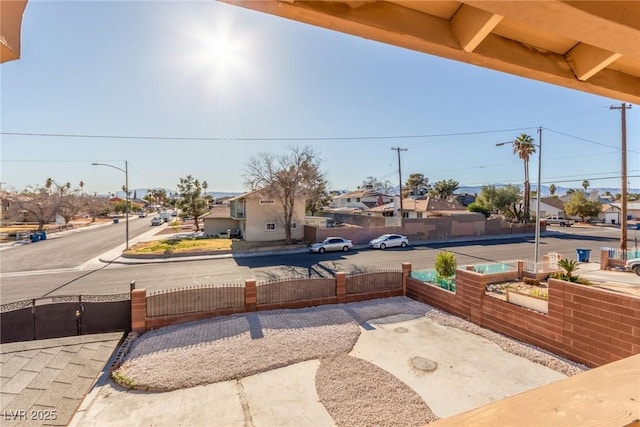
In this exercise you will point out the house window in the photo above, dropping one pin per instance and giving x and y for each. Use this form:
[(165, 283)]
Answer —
[(348, 199), (419, 214), (294, 225), (271, 226), (405, 214), (358, 200)]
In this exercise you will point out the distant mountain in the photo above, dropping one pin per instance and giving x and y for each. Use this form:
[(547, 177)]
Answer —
[(560, 191), (141, 192)]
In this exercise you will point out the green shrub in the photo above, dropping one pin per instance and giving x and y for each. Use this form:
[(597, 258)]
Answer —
[(445, 264), (568, 265)]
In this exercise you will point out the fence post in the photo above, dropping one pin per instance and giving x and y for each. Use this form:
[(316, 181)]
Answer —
[(341, 287), (406, 272), (250, 295), (139, 310), (604, 259), (521, 269)]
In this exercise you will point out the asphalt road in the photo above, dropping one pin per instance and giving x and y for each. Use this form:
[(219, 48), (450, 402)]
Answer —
[(72, 248), (87, 276)]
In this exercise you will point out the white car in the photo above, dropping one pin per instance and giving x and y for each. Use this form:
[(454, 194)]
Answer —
[(331, 244), (633, 265), (389, 241), (156, 221)]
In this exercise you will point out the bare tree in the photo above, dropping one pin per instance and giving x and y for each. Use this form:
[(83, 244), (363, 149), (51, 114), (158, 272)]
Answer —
[(37, 204), (287, 178)]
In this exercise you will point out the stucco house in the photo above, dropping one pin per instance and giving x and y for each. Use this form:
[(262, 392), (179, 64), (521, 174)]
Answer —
[(610, 214), (360, 199), (256, 216), (549, 206), (422, 208)]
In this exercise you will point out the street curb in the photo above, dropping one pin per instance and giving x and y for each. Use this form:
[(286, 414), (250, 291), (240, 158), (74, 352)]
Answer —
[(128, 259)]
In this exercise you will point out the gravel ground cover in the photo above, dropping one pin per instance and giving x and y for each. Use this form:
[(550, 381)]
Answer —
[(353, 391)]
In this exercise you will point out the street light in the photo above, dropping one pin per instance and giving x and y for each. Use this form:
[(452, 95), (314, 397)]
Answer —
[(537, 237), (126, 192)]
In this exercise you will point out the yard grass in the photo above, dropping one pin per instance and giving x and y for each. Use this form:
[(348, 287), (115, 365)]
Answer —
[(197, 245), (189, 245)]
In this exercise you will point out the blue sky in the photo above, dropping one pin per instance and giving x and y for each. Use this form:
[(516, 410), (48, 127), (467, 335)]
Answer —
[(248, 83)]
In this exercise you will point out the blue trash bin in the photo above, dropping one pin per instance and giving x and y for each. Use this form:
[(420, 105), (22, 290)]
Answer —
[(637, 225), (115, 220), (43, 235), (583, 255), (35, 237)]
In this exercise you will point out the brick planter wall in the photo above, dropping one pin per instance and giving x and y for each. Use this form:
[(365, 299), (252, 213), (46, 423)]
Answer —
[(589, 325)]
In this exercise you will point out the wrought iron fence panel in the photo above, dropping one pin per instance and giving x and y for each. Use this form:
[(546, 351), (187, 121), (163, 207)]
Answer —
[(299, 289), (194, 299), (373, 281)]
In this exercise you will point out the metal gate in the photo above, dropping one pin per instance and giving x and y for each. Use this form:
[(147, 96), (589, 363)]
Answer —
[(64, 316)]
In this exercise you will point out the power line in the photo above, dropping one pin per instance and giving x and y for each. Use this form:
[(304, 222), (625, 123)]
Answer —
[(216, 139)]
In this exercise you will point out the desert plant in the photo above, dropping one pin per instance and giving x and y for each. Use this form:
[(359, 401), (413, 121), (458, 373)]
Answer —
[(122, 379), (569, 266), (445, 264), (540, 293)]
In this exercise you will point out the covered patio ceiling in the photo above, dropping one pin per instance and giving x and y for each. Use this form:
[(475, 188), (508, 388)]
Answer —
[(591, 46)]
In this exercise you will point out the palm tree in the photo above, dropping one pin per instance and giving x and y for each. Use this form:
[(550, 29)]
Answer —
[(48, 185), (585, 185), (552, 189), (82, 187), (524, 148)]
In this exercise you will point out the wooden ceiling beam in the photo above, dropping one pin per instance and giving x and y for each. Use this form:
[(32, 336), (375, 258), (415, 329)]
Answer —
[(586, 61), (472, 25), (396, 25), (567, 19)]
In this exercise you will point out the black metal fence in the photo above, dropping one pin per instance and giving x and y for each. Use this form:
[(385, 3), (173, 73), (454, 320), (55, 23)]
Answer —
[(373, 281), (63, 316), (194, 299), (298, 289)]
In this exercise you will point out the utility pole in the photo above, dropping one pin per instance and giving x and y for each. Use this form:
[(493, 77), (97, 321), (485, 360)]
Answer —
[(398, 149), (623, 222)]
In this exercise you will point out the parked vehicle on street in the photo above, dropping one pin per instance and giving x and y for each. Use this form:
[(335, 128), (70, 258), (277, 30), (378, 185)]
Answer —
[(156, 221), (633, 265), (558, 220), (331, 244), (389, 241), (165, 216)]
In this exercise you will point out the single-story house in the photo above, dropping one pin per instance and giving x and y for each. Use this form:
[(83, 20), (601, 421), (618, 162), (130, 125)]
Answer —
[(360, 199), (549, 206), (633, 208), (422, 208), (218, 221), (610, 214)]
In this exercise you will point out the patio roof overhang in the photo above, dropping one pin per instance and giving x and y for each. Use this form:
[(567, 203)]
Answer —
[(591, 46)]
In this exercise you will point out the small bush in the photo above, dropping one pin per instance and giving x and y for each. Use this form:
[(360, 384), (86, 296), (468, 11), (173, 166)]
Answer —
[(530, 281), (445, 264)]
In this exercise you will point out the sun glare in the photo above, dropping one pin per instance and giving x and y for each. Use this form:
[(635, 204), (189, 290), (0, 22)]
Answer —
[(215, 52), (221, 50)]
